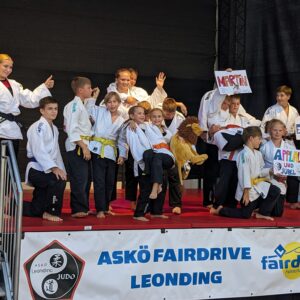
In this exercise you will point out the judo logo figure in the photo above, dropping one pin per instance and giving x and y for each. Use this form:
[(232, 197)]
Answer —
[(53, 272)]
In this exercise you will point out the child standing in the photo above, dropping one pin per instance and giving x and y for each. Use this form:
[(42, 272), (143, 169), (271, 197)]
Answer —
[(45, 170), (78, 128), (253, 190), (138, 143), (108, 122), (289, 186)]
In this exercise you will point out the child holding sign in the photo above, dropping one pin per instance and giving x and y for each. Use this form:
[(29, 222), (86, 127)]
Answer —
[(277, 129)]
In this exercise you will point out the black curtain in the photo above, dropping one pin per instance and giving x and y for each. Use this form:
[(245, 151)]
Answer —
[(263, 38), (94, 38)]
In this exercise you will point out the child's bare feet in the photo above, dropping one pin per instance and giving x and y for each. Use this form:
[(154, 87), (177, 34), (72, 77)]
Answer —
[(132, 205), (110, 213), (159, 190), (110, 208), (100, 215), (215, 211), (143, 219), (259, 216), (155, 190), (295, 205), (160, 216), (80, 214), (153, 195), (52, 218), (176, 210)]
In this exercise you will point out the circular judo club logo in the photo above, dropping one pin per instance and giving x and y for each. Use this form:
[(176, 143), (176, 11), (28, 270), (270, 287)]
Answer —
[(53, 272)]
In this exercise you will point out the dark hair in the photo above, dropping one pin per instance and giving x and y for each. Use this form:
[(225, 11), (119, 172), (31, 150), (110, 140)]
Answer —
[(110, 95), (253, 131), (47, 100), (79, 82)]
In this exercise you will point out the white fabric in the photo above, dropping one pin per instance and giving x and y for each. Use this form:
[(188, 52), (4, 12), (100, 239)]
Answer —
[(250, 165), (76, 123), (139, 94), (43, 146), (9, 104), (203, 109), (277, 112), (104, 128), (155, 137), (268, 151), (177, 120), (138, 144)]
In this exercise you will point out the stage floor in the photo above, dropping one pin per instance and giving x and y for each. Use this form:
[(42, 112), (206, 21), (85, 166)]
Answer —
[(194, 215)]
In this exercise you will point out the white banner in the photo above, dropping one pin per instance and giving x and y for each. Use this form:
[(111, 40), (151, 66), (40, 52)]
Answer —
[(286, 162), (234, 82), (149, 264)]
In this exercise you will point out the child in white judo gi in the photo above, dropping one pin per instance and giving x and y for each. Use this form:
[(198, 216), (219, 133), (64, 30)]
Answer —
[(45, 170), (289, 185), (107, 124), (254, 191), (78, 127)]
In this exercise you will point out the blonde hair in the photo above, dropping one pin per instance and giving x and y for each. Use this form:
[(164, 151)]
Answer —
[(155, 109), (273, 122), (111, 95), (284, 89), (4, 57), (79, 82), (146, 105)]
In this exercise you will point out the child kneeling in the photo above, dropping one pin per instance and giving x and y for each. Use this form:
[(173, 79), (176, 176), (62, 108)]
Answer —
[(253, 187)]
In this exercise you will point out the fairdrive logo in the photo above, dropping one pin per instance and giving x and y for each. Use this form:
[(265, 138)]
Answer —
[(53, 272), (286, 258)]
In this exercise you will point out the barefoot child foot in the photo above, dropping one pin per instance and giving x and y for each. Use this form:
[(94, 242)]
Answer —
[(110, 213), (100, 215), (215, 211), (143, 219), (176, 210), (52, 218), (155, 191), (259, 216), (80, 214), (160, 216)]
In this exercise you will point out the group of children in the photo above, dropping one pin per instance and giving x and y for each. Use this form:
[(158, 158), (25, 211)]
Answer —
[(243, 149), (129, 126)]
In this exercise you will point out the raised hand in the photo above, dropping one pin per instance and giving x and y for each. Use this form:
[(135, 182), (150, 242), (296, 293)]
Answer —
[(49, 83), (160, 80), (95, 92)]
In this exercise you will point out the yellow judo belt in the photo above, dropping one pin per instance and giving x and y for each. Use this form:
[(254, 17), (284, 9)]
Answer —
[(83, 137), (255, 181), (105, 142)]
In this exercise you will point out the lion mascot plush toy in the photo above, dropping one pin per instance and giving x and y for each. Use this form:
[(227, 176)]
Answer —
[(182, 146)]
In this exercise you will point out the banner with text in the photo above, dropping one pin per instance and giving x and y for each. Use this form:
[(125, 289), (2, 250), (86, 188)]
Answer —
[(151, 264), (234, 82), (286, 162)]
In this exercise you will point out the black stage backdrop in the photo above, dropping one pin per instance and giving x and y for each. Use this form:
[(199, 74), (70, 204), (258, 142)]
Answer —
[(270, 37), (93, 38)]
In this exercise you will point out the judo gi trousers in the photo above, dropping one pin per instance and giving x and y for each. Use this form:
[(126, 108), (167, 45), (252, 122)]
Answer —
[(78, 172), (104, 181), (144, 204), (47, 195), (227, 184), (265, 206), (156, 163)]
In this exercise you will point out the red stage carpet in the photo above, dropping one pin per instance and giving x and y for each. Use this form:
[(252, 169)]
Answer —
[(193, 216)]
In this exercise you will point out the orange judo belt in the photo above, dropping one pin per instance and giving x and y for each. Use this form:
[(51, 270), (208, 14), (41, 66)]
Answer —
[(161, 146)]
